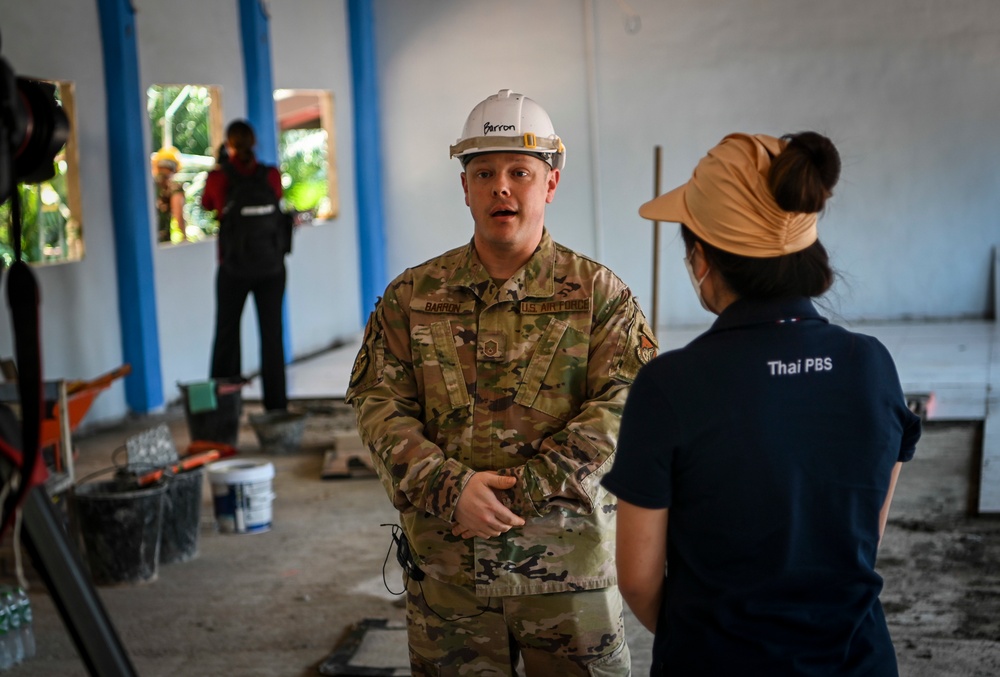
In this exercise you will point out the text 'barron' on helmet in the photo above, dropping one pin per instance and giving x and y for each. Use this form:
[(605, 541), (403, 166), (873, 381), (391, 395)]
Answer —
[(508, 122)]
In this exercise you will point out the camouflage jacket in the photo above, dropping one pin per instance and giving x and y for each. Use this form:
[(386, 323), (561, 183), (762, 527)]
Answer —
[(456, 375)]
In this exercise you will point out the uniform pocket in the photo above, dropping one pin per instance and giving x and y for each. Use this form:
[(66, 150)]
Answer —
[(443, 380), (422, 667), (618, 663), (557, 365)]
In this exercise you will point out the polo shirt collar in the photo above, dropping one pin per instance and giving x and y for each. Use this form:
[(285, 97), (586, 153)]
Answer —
[(746, 312)]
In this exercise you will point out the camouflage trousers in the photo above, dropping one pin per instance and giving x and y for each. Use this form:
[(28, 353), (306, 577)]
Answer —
[(452, 632)]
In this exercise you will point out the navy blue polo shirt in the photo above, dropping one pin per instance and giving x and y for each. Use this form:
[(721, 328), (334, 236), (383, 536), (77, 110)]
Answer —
[(771, 439)]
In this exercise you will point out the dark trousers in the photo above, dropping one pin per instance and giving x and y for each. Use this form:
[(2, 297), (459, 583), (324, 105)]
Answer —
[(268, 295)]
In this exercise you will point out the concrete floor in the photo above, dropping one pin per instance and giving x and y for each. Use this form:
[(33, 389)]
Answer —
[(272, 603), (277, 603)]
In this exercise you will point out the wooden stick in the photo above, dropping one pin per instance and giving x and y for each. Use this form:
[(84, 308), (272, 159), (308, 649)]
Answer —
[(657, 154)]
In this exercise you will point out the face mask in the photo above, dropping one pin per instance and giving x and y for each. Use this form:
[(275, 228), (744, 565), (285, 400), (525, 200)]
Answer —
[(696, 283)]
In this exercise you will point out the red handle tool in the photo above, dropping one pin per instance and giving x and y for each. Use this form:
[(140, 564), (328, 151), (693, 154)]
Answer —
[(186, 463)]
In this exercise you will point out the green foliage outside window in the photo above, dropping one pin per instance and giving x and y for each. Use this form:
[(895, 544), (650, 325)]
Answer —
[(303, 163), (179, 115), (49, 230), (29, 226)]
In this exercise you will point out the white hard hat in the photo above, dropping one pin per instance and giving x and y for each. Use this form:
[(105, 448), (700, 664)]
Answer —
[(508, 122)]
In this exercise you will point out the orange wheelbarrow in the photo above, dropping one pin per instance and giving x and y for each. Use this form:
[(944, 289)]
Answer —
[(71, 403)]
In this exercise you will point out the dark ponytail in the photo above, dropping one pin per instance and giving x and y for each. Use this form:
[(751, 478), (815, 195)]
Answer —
[(802, 177)]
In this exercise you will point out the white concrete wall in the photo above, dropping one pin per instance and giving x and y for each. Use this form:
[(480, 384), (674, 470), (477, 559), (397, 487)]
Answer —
[(311, 47), (183, 41), (310, 51), (439, 58), (81, 334), (909, 90), (190, 42)]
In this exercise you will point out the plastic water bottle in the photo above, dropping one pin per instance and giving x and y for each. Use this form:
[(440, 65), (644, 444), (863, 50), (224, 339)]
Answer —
[(14, 639), (6, 656), (27, 629)]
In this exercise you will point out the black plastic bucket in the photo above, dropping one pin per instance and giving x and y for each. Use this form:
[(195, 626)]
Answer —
[(181, 516), (221, 424), (119, 529)]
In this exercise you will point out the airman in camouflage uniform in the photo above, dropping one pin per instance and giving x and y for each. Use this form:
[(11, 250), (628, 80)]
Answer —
[(518, 381)]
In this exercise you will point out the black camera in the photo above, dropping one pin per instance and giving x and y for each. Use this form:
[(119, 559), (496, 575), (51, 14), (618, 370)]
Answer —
[(33, 129)]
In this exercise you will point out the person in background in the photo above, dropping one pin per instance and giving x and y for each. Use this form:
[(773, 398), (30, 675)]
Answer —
[(169, 194), (232, 289), (489, 388), (757, 464)]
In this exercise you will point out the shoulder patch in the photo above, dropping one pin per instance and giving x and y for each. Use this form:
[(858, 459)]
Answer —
[(637, 345), (646, 350), (368, 365)]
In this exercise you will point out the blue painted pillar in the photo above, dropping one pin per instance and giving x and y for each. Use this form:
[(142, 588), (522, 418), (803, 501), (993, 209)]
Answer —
[(255, 30), (130, 207), (367, 154)]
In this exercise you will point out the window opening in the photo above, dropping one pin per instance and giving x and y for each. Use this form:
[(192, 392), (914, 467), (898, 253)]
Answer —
[(307, 150), (187, 130)]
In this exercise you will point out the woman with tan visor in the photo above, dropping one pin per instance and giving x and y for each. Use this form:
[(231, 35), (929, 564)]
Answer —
[(756, 465)]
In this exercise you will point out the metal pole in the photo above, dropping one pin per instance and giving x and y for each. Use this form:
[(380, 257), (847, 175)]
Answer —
[(78, 603), (657, 154)]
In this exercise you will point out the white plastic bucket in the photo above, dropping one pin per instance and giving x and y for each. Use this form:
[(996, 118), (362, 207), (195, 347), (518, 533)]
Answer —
[(241, 492)]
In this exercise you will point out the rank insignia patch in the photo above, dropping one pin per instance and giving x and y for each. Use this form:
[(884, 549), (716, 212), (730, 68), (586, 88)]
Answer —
[(492, 346)]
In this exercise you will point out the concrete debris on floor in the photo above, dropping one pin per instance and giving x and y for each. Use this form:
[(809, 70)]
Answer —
[(348, 458)]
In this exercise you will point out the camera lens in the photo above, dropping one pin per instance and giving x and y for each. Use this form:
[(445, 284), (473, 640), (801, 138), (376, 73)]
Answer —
[(46, 131)]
